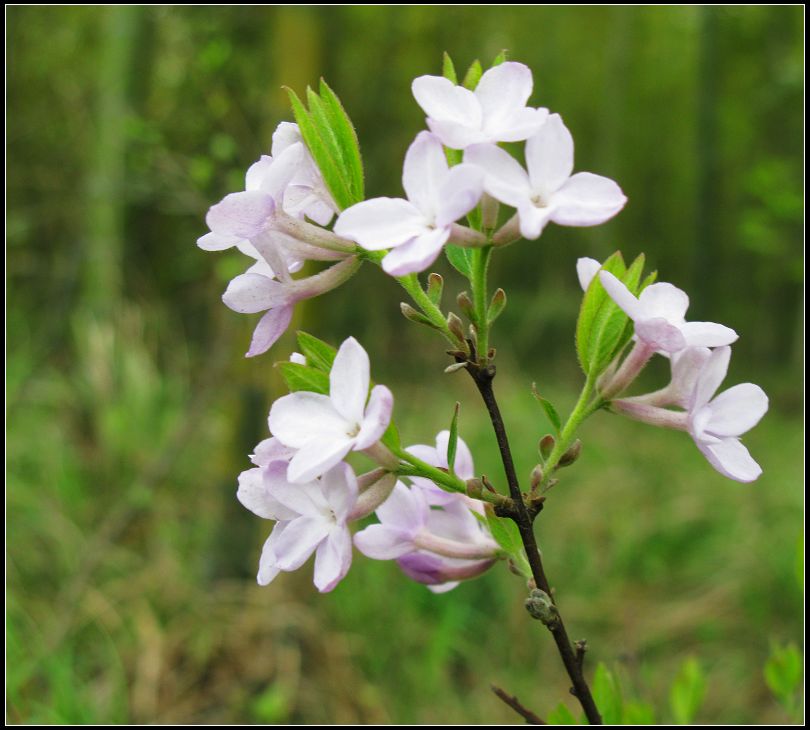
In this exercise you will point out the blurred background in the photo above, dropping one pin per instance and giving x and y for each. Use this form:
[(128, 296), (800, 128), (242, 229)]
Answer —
[(130, 564)]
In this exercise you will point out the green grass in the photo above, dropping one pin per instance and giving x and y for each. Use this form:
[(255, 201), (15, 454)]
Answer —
[(130, 564)]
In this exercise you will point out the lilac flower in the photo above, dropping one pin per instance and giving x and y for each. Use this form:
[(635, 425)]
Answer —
[(250, 292), (495, 112), (437, 456), (587, 268), (415, 229), (323, 429), (548, 192), (715, 423), (311, 518), (659, 317)]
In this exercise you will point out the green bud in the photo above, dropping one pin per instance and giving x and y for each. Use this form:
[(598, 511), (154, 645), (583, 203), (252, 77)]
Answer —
[(411, 314), (456, 326), (435, 287), (465, 304), (570, 456), (540, 606), (497, 305)]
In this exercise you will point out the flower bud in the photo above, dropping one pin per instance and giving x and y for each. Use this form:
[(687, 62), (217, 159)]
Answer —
[(411, 314), (537, 476), (456, 326), (546, 446), (455, 367), (570, 456), (465, 304), (541, 607), (497, 305), (435, 287), (475, 488)]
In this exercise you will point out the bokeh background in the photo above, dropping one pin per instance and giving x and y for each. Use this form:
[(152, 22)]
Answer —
[(130, 565)]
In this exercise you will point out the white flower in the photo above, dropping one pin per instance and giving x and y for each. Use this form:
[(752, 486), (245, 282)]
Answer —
[(587, 268), (716, 423), (312, 518), (323, 429), (495, 112), (659, 317), (415, 229), (548, 192)]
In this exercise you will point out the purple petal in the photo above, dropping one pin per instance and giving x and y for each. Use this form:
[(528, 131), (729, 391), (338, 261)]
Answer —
[(296, 418), (256, 172), (376, 419), (519, 125), (298, 542), (242, 215), (620, 294), (406, 509), (339, 487), (586, 270), (503, 90), (533, 219), (268, 569), (270, 327), (285, 135), (417, 254), (251, 293), (713, 373), (732, 460), (664, 300), (255, 496), (270, 450), (708, 334), (318, 456), (456, 135), (380, 223), (217, 242), (383, 542), (333, 558), (660, 334)]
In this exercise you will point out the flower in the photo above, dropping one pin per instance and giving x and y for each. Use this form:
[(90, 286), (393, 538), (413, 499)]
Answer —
[(415, 229), (311, 518), (251, 292), (658, 314), (323, 429), (587, 268), (548, 191), (495, 112), (716, 423), (437, 456)]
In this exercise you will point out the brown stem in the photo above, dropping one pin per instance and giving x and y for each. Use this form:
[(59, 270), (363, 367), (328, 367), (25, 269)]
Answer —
[(514, 703), (483, 377)]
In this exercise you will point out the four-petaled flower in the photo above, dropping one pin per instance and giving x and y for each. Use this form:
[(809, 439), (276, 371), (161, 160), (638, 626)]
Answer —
[(548, 192), (324, 428), (495, 112), (415, 229)]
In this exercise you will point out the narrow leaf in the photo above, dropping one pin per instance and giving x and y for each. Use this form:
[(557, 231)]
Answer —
[(302, 377), (500, 58), (687, 692), (347, 137), (550, 410), (318, 353), (497, 305), (473, 75), (448, 68), (452, 443), (561, 715), (435, 287), (607, 695)]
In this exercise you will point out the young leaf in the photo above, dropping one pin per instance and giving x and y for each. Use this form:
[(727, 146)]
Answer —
[(435, 287), (783, 672), (473, 75), (500, 58), (504, 532), (607, 695), (687, 692), (347, 138), (452, 442), (448, 68), (551, 411), (561, 715), (318, 353), (459, 258), (497, 305), (638, 713), (302, 377)]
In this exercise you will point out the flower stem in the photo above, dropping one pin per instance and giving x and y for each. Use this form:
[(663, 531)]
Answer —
[(410, 283), (478, 281)]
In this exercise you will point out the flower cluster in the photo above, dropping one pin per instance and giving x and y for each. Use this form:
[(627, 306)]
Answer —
[(301, 481), (659, 321)]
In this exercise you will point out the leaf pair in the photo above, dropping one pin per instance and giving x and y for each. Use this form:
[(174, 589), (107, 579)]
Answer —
[(329, 134), (603, 329)]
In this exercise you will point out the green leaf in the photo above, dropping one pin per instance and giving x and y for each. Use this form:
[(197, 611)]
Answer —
[(473, 75), (551, 411), (303, 377), (435, 287), (649, 279), (504, 531), (783, 672), (687, 692), (347, 138), (595, 297), (638, 713), (496, 305), (561, 715), (448, 68), (318, 353), (607, 695), (391, 437), (452, 442), (459, 259), (500, 58)]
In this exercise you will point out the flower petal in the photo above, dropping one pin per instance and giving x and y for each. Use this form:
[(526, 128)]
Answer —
[(456, 135), (737, 410), (713, 373), (458, 193), (383, 542), (270, 450), (504, 178), (417, 254), (268, 569), (348, 381), (376, 418), (270, 327), (732, 460), (424, 170), (305, 499), (533, 219), (298, 542), (333, 558), (254, 495), (381, 223), (660, 334), (285, 135), (251, 293), (405, 509), (550, 156), (318, 456), (518, 125), (587, 200), (442, 100), (502, 90), (463, 466), (664, 300), (280, 174), (586, 270), (217, 241), (620, 294), (256, 172), (339, 488), (242, 215), (298, 417), (686, 368), (707, 334)]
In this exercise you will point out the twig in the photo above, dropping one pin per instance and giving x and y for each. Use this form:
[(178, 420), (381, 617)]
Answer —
[(514, 703), (580, 646), (483, 377)]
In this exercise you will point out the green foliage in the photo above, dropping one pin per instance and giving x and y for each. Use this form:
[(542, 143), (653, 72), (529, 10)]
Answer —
[(448, 68), (687, 692), (783, 674), (607, 694), (561, 715), (330, 136), (460, 259), (496, 305), (303, 377), (319, 354), (550, 411), (452, 442), (473, 75)]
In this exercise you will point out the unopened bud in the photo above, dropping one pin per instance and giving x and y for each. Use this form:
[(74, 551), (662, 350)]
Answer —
[(497, 305), (475, 488), (465, 304), (456, 326), (546, 446), (537, 476), (435, 286), (541, 607), (570, 456), (455, 367), (411, 314)]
